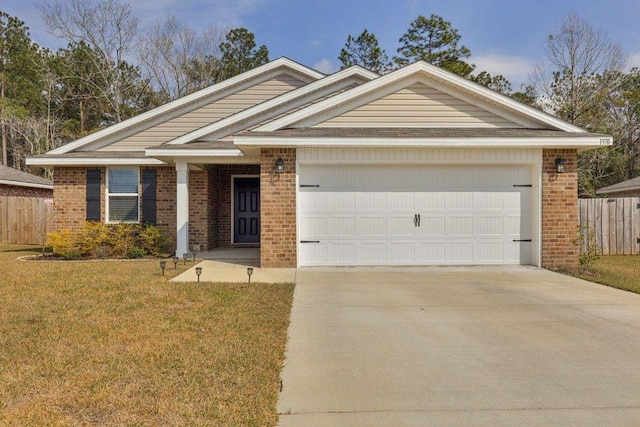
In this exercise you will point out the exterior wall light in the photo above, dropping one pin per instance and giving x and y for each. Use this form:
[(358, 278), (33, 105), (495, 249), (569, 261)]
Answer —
[(560, 162), (279, 165)]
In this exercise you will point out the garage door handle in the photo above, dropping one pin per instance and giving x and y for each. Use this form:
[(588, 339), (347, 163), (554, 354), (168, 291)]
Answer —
[(415, 220), (418, 220), (521, 240), (309, 241)]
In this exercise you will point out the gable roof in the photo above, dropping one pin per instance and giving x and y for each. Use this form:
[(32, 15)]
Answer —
[(628, 185), (189, 102), (280, 104), (10, 176), (430, 75)]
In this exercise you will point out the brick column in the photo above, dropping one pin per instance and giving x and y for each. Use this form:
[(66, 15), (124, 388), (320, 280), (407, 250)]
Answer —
[(559, 210), (199, 209), (278, 209)]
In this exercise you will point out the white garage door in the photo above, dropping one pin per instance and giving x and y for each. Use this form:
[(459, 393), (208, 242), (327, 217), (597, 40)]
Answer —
[(415, 215)]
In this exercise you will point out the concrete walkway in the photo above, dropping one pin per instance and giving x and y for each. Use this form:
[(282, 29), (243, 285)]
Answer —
[(459, 346), (230, 265)]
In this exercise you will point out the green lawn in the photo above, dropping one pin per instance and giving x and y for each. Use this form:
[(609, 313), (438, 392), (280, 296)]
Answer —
[(115, 343), (618, 271)]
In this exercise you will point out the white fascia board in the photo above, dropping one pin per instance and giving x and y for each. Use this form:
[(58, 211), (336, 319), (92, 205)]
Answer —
[(275, 102), (25, 184), (173, 153), (420, 67), (185, 100), (587, 142), (92, 161)]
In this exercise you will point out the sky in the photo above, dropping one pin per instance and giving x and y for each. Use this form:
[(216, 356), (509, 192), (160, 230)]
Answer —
[(505, 36)]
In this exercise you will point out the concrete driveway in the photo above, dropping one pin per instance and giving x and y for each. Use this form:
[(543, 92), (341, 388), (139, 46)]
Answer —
[(451, 346)]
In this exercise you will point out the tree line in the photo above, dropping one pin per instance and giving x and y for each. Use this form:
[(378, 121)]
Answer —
[(112, 69)]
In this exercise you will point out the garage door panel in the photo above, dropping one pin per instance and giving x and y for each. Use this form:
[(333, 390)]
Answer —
[(399, 225), (459, 252), (431, 225), (400, 252), (342, 226), (364, 214), (372, 253), (429, 201), (430, 252), (457, 225), (370, 201), (371, 226)]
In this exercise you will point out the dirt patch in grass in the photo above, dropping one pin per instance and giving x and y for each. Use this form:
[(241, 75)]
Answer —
[(115, 343), (622, 272)]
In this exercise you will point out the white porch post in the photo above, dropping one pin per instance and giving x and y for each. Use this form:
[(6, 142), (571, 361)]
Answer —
[(182, 208)]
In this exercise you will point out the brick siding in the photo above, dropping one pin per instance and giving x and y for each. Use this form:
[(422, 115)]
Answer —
[(559, 210), (20, 191), (278, 209), (69, 197)]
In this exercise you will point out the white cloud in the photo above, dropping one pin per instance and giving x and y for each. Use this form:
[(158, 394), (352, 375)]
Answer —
[(634, 60), (325, 66), (514, 68)]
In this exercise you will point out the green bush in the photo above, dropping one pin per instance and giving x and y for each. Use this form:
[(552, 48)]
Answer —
[(136, 253), (71, 255), (102, 240)]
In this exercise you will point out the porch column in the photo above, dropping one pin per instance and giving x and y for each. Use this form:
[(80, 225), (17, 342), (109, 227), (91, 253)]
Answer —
[(182, 208)]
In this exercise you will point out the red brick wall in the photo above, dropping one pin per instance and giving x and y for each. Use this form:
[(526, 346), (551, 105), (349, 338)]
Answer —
[(278, 209), (199, 209), (20, 191), (559, 210), (166, 203), (69, 197)]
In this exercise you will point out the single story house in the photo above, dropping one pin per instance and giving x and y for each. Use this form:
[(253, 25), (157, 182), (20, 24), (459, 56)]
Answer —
[(628, 188), (16, 183), (415, 167)]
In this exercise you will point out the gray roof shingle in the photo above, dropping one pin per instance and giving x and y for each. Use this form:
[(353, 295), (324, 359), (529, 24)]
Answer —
[(9, 175)]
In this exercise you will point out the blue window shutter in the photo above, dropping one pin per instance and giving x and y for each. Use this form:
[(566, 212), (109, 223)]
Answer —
[(93, 194), (149, 183)]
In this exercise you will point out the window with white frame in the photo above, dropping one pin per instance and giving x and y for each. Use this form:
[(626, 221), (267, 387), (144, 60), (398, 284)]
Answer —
[(123, 198)]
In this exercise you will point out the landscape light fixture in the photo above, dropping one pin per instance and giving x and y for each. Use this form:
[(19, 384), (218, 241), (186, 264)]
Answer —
[(198, 273), (194, 252), (279, 165), (249, 273), (185, 256), (560, 162), (175, 262), (163, 265)]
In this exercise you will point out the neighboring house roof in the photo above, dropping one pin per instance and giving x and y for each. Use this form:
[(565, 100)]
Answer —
[(10, 176), (632, 184)]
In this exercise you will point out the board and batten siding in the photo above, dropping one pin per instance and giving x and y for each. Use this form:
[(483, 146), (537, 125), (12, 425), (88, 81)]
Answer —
[(206, 115), (419, 105)]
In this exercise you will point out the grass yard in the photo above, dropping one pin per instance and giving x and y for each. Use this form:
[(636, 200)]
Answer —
[(115, 343), (618, 271)]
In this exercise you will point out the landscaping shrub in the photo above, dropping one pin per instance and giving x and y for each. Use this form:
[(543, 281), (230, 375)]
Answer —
[(136, 253), (97, 239)]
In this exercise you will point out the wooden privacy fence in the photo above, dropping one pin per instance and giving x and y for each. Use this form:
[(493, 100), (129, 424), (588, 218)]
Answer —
[(615, 224), (25, 220)]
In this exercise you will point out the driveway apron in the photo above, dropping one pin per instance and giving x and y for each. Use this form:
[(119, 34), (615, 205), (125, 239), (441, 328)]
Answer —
[(451, 346)]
